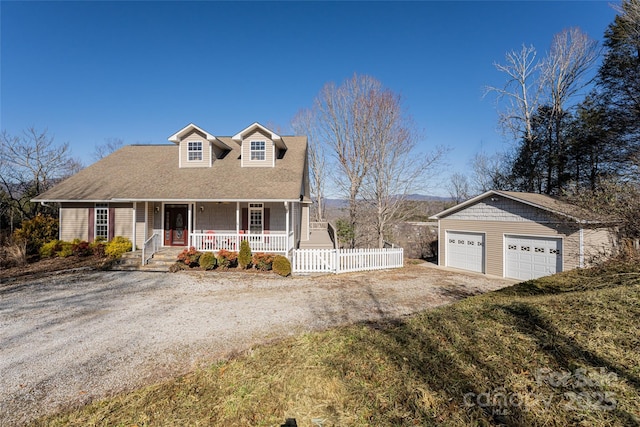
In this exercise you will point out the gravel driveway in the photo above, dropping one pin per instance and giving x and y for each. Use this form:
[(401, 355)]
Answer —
[(71, 338)]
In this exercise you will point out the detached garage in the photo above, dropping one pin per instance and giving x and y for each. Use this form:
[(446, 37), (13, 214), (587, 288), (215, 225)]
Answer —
[(520, 235)]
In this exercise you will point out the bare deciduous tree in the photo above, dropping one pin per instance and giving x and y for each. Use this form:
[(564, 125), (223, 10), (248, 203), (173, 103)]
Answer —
[(304, 123), (458, 187), (344, 117), (30, 164), (110, 145), (521, 92)]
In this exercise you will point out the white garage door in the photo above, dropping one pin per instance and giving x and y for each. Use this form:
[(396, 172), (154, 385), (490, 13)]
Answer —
[(465, 251), (532, 257)]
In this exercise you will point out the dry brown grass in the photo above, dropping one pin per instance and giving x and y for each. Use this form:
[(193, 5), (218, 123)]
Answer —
[(495, 359)]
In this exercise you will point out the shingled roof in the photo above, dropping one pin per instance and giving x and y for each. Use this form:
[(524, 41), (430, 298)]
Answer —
[(152, 172), (540, 201)]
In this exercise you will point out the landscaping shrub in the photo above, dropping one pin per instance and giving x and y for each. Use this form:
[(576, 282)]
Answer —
[(50, 249), (227, 259), (66, 249), (98, 247), (118, 246), (208, 261), (244, 258), (281, 265), (13, 254), (262, 261), (36, 232), (190, 257), (81, 248), (177, 266)]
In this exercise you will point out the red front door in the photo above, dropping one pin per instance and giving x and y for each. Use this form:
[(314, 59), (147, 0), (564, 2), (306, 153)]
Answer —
[(175, 225)]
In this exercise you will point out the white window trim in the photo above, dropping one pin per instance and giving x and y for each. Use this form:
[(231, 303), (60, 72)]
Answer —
[(256, 207), (98, 207), (195, 151), (263, 150)]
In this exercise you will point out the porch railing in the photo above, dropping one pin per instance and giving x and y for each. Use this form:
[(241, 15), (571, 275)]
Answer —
[(275, 242), (150, 247)]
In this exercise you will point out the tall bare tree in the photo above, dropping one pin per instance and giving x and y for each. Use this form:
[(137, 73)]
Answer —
[(396, 168), (31, 164), (304, 123), (520, 92), (458, 187), (564, 73), (345, 124)]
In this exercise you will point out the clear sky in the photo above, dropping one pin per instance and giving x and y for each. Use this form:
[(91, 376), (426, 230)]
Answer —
[(140, 71)]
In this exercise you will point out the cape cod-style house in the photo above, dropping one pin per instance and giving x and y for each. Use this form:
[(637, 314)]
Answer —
[(206, 191)]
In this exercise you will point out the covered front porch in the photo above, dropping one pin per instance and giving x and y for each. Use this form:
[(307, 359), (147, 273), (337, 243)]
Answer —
[(268, 226)]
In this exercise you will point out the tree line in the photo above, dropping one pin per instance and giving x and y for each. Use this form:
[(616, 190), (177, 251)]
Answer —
[(574, 128)]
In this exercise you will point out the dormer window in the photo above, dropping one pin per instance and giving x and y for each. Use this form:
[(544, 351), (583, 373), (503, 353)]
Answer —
[(194, 151), (258, 150)]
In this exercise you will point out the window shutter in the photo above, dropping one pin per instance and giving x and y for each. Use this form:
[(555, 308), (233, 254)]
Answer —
[(112, 218), (245, 219), (92, 223), (266, 220)]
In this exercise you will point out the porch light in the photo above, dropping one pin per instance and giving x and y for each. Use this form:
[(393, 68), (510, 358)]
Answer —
[(157, 209), (201, 208)]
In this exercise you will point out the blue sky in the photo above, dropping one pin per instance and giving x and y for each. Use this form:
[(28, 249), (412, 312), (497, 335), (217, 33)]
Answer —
[(140, 71)]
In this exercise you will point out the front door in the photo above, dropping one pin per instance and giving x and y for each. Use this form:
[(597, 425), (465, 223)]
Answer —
[(175, 225)]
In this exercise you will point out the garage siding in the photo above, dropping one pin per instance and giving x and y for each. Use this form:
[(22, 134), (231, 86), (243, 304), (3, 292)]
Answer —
[(494, 239)]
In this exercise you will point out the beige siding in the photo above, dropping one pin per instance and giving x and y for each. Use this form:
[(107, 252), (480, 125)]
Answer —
[(304, 226), (269, 158), (151, 218), (494, 239), (184, 151), (74, 221), (599, 243), (123, 219)]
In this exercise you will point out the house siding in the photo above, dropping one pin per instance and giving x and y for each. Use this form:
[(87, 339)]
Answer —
[(123, 219), (304, 226), (497, 208), (599, 243), (269, 158), (495, 232), (74, 221), (207, 159)]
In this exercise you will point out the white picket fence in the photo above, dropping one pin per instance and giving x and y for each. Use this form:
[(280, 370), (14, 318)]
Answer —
[(345, 260)]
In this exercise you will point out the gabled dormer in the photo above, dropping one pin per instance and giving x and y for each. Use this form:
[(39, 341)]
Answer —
[(260, 147), (198, 148)]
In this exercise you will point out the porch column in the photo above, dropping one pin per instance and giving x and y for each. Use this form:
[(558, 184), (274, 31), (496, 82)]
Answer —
[(146, 221), (189, 228), (286, 210), (133, 238), (238, 225)]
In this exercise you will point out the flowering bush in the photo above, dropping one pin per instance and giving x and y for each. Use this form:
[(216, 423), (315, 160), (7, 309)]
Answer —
[(227, 259), (116, 247), (262, 261), (190, 257)]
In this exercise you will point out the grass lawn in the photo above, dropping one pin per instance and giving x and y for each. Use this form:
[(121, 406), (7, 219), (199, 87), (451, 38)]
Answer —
[(562, 350)]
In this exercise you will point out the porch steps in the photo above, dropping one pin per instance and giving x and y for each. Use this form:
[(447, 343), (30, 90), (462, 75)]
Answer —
[(161, 260), (318, 239)]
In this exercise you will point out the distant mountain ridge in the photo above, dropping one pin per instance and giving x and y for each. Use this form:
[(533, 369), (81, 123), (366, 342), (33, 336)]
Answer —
[(341, 203)]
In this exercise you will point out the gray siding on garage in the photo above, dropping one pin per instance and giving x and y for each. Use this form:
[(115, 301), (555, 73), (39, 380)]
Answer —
[(503, 209)]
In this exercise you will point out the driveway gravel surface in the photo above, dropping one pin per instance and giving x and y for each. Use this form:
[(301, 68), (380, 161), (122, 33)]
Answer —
[(68, 339)]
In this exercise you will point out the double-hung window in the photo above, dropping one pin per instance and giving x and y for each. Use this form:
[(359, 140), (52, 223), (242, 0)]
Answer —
[(255, 218), (194, 151), (258, 150), (102, 220)]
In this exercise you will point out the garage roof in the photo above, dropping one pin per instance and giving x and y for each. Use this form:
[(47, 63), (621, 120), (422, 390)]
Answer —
[(540, 201)]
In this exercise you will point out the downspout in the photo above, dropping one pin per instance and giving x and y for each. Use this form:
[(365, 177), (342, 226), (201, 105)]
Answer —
[(581, 265), (133, 237)]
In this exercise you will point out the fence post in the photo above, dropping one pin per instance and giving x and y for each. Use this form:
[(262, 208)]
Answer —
[(337, 260)]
